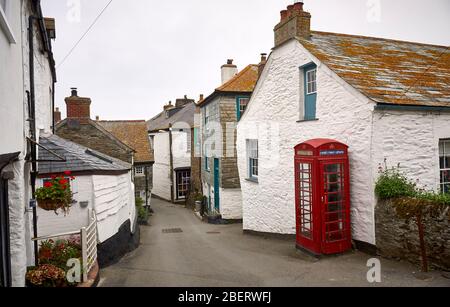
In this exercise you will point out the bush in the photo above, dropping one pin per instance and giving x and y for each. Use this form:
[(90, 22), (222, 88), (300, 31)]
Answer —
[(142, 212), (393, 184)]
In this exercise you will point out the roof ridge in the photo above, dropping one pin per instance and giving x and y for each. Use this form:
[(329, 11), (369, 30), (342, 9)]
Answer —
[(237, 76), (378, 38), (123, 121)]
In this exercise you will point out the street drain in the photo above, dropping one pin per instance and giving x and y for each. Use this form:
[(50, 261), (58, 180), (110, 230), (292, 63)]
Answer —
[(172, 230), (213, 233)]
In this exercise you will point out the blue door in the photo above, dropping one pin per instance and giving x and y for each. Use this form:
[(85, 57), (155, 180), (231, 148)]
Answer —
[(216, 185)]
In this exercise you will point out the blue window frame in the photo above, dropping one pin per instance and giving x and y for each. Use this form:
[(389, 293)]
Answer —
[(241, 105), (310, 86), (207, 166)]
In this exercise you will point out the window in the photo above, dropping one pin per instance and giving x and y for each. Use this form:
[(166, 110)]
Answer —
[(311, 82), (444, 162), (241, 105), (4, 24), (308, 109), (207, 115), (139, 171), (207, 165), (197, 143), (252, 152), (183, 183)]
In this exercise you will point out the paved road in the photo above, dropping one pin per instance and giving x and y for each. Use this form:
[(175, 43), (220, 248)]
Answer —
[(208, 255)]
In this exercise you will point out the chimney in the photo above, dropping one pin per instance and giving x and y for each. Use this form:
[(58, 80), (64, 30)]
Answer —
[(168, 106), (201, 98), (78, 108), (50, 27), (97, 118), (295, 22), (57, 115), (229, 70), (181, 102), (262, 64)]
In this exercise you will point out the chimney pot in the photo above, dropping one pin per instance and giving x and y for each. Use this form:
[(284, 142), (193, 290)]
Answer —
[(230, 62), (57, 115), (201, 97), (97, 118), (74, 91), (298, 6), (284, 15)]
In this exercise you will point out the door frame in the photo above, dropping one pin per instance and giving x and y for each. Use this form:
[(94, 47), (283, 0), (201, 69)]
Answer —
[(5, 252), (178, 172), (217, 184)]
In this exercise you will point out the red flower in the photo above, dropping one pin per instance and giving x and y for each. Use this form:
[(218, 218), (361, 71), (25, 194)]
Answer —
[(68, 173), (54, 177), (63, 187), (63, 182), (48, 184)]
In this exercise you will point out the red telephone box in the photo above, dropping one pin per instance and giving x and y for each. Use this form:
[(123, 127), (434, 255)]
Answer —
[(322, 197)]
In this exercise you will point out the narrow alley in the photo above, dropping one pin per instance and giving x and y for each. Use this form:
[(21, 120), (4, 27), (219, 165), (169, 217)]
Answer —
[(205, 255)]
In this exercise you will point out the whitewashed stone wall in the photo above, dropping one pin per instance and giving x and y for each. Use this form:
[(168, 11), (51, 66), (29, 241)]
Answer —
[(411, 139), (231, 204), (14, 81), (272, 117)]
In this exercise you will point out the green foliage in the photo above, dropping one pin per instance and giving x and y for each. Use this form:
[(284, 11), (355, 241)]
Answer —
[(53, 257), (393, 184), (142, 212)]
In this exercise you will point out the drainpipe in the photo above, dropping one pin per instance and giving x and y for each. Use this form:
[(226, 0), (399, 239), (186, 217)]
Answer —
[(33, 173), (172, 190)]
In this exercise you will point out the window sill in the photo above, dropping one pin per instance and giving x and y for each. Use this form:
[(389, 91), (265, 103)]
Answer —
[(307, 120), (4, 25), (254, 180)]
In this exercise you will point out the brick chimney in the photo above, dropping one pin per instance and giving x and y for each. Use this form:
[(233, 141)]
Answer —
[(229, 70), (295, 22), (78, 108), (168, 106), (57, 115), (262, 64)]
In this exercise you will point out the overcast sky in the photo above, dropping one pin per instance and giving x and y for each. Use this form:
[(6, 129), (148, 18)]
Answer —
[(143, 53)]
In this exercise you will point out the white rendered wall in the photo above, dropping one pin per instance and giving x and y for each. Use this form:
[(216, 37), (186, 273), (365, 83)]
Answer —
[(114, 203), (344, 115), (49, 223), (161, 168), (411, 139), (230, 204)]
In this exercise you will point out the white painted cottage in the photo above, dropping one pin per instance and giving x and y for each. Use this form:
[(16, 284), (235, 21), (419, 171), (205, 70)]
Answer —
[(27, 77), (102, 183), (170, 134), (385, 99)]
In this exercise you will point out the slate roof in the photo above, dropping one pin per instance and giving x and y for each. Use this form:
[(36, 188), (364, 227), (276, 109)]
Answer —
[(386, 71), (78, 158), (244, 82), (134, 134), (184, 114)]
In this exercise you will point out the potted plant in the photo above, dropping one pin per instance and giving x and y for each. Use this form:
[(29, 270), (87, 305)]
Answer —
[(56, 193)]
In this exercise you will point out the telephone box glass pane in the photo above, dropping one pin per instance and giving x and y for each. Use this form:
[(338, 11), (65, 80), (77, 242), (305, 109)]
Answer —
[(305, 181), (335, 214)]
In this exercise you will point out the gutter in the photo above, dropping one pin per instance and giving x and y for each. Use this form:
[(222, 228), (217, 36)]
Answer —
[(392, 107)]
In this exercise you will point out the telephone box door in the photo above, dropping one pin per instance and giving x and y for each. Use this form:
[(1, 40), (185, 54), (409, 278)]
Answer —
[(308, 218), (335, 211)]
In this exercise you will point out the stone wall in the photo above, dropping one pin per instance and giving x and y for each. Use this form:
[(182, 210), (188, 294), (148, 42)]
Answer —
[(229, 169), (398, 238)]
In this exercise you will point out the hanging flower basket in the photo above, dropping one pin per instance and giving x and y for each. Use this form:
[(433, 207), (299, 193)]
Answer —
[(56, 193)]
